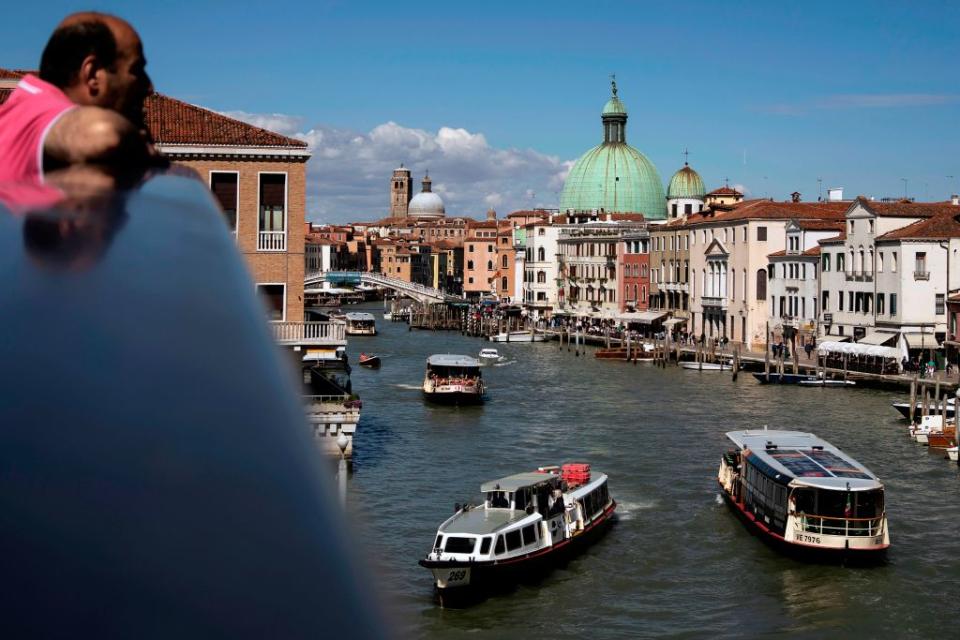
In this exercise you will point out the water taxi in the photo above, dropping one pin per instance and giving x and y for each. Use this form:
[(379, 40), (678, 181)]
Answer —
[(527, 524), (360, 324), (489, 354), (453, 379), (804, 496), (519, 336), (784, 378), (904, 408)]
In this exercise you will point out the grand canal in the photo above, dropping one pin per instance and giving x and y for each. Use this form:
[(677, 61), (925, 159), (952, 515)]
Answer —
[(677, 563)]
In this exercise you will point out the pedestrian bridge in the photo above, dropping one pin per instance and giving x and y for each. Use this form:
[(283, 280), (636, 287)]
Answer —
[(418, 292)]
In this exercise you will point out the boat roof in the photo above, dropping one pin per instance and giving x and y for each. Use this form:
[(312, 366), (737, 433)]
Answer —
[(480, 521), (449, 360), (805, 459), (360, 315), (517, 481)]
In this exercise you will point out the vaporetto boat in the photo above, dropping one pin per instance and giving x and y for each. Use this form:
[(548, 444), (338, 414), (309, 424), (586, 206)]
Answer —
[(453, 379), (804, 496), (527, 523)]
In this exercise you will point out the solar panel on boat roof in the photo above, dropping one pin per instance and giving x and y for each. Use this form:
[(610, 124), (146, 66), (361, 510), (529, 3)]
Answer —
[(816, 464)]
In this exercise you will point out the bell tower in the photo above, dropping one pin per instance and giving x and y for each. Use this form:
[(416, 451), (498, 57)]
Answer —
[(401, 190)]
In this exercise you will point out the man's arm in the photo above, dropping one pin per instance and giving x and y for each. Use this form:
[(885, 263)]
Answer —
[(93, 135)]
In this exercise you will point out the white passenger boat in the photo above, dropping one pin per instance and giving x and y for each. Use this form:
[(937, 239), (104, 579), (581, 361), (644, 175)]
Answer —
[(527, 524), (361, 324), (453, 379), (706, 366), (952, 453), (489, 354), (828, 383), (519, 336), (804, 496), (904, 408)]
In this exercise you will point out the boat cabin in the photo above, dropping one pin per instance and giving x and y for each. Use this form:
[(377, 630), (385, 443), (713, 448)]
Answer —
[(528, 492), (452, 369), (360, 324)]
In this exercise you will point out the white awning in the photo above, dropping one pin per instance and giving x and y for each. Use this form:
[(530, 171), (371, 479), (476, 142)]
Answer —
[(643, 317), (918, 340), (855, 349), (877, 338), (673, 321)]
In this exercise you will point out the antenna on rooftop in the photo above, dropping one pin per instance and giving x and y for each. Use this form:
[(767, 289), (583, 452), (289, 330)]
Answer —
[(905, 181)]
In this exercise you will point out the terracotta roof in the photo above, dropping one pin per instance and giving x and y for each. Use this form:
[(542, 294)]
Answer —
[(482, 224), (769, 210), (906, 209), (835, 239), (812, 251), (10, 74), (937, 227), (820, 225), (725, 191), (173, 121), (528, 213)]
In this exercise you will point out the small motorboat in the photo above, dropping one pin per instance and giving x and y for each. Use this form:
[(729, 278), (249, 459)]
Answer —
[(952, 453), (904, 408), (369, 360), (784, 378), (706, 366), (489, 354)]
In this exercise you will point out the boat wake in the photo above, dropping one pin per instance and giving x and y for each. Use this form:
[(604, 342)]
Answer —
[(411, 387), (719, 499), (503, 364), (628, 510)]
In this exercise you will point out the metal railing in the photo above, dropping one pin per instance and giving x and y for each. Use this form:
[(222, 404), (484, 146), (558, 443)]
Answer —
[(341, 400), (860, 527), (921, 275), (306, 332), (714, 301), (272, 241)]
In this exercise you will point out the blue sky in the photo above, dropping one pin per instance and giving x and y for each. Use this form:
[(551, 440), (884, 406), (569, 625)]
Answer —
[(497, 98)]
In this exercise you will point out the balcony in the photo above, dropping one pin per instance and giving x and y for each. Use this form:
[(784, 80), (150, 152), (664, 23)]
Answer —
[(859, 276), (921, 275), (272, 241), (714, 302), (310, 333)]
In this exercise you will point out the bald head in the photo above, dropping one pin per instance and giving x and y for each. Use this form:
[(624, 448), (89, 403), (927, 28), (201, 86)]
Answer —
[(97, 60)]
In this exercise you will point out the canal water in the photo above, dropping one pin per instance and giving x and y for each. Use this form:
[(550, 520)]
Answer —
[(677, 563)]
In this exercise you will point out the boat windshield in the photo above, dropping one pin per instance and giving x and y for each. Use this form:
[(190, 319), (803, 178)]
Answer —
[(839, 504)]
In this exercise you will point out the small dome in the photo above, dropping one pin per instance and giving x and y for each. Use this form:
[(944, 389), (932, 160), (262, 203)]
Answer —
[(426, 203), (686, 183), (614, 106)]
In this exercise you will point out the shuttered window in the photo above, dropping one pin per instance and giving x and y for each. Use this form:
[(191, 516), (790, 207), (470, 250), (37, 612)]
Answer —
[(272, 197), (224, 187)]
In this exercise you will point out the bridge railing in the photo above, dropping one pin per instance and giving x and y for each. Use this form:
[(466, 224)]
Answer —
[(370, 277), (320, 333)]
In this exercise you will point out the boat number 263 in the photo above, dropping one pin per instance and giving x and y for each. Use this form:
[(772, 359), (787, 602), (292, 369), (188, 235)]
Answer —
[(456, 575)]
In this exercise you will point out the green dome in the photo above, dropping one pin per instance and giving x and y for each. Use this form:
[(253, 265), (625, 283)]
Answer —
[(614, 176), (614, 106), (686, 183)]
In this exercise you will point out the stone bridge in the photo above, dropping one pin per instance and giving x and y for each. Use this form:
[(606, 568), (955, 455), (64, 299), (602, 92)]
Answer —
[(418, 292)]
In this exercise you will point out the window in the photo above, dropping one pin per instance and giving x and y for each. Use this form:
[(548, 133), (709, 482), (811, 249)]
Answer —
[(529, 537), (893, 304), (826, 301), (485, 545), (500, 546), (503, 284), (470, 248), (851, 227), (761, 234), (939, 304), (893, 264), (921, 264), (880, 303), (541, 277), (489, 265), (224, 187), (762, 280), (850, 301), (274, 295), (456, 544), (489, 248), (470, 265), (840, 262), (687, 209), (871, 226), (880, 262), (273, 195), (541, 254), (503, 262), (840, 300), (673, 210)]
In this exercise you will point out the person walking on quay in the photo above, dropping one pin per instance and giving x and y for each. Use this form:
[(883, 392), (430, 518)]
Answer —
[(809, 349)]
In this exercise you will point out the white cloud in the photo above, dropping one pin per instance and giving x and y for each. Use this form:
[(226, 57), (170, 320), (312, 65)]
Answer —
[(348, 177)]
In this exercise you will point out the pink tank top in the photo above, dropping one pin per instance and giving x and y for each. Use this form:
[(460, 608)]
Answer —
[(25, 120)]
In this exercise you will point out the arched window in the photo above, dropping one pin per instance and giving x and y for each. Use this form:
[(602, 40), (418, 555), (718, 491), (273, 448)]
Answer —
[(541, 254), (761, 284), (541, 276), (489, 265), (635, 297), (503, 262), (503, 284)]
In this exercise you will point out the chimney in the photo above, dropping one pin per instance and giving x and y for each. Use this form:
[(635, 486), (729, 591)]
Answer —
[(955, 200), (835, 194), (795, 196), (491, 214)]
